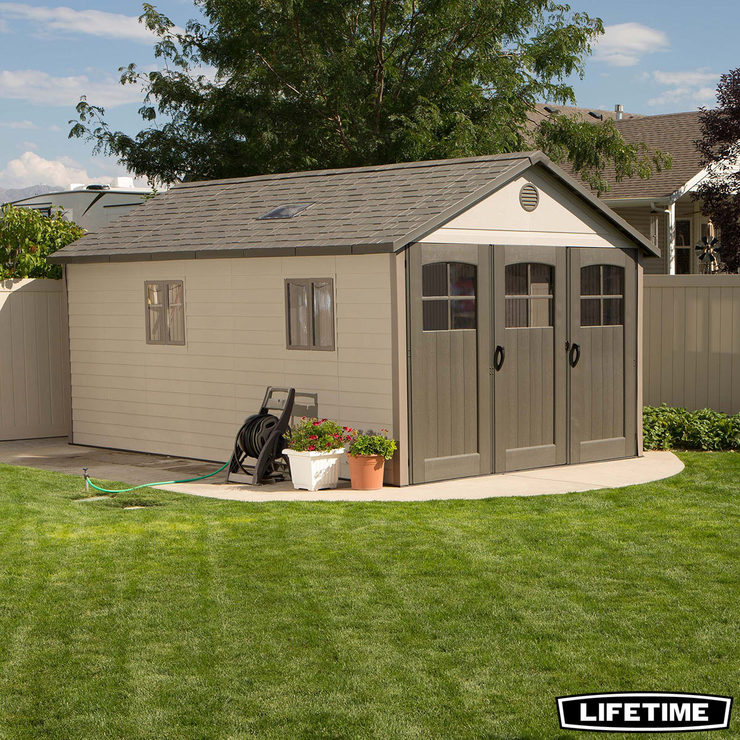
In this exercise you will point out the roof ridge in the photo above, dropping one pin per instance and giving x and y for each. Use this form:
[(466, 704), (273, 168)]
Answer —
[(366, 168), (659, 115)]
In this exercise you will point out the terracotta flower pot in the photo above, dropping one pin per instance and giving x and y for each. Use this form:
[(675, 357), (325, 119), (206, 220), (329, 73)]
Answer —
[(366, 472)]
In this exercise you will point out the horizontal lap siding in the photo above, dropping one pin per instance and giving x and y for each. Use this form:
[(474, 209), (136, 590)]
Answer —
[(189, 400), (640, 218)]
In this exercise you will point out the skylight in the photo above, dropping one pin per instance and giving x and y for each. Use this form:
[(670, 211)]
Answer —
[(286, 211)]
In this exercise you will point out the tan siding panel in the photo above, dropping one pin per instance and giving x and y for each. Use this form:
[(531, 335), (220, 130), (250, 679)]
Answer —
[(189, 400)]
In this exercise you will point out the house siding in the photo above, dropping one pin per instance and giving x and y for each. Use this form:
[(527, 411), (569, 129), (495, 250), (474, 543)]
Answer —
[(189, 400), (640, 218)]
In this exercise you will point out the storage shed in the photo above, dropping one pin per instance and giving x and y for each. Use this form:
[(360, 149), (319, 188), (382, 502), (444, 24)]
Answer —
[(486, 310)]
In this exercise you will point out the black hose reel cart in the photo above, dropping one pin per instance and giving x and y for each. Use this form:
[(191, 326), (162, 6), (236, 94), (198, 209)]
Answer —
[(258, 449)]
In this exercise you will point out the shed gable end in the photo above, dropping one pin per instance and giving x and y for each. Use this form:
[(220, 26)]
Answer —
[(560, 218)]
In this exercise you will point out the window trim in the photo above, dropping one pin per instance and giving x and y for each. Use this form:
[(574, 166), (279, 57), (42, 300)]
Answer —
[(166, 305), (309, 283)]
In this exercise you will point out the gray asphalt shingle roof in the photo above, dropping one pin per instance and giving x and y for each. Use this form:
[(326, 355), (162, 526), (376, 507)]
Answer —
[(365, 209), (674, 134)]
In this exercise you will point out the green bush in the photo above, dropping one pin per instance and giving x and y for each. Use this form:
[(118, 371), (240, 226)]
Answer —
[(27, 238), (666, 427)]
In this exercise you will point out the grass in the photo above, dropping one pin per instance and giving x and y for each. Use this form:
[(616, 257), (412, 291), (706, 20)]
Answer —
[(199, 618)]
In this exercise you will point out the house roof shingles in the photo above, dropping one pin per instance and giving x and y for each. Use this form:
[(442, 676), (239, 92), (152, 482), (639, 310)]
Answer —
[(364, 209), (672, 133)]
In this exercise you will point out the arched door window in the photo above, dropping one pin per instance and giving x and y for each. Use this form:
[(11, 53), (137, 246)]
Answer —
[(602, 295), (529, 295), (448, 292)]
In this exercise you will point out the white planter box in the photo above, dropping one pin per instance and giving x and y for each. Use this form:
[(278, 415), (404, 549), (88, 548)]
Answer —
[(312, 471)]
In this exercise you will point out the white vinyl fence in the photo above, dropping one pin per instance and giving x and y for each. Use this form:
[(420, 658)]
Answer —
[(692, 341), (34, 360)]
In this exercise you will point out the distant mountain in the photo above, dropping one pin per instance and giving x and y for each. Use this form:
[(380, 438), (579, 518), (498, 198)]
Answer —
[(11, 194)]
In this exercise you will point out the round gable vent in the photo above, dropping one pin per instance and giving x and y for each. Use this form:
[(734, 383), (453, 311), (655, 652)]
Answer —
[(529, 197)]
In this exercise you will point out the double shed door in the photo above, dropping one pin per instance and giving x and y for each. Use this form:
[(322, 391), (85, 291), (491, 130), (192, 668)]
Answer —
[(521, 357)]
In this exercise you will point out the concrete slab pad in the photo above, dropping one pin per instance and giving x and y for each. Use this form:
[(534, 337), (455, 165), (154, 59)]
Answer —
[(135, 468)]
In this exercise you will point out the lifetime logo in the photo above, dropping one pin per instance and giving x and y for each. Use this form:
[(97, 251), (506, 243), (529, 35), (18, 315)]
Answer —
[(645, 711)]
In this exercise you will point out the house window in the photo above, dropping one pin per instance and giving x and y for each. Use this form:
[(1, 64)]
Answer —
[(683, 247), (165, 312), (448, 296), (602, 295), (309, 309), (529, 294)]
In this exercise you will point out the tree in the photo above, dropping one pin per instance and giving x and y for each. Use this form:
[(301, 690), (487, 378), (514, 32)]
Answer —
[(27, 238), (279, 85), (720, 149)]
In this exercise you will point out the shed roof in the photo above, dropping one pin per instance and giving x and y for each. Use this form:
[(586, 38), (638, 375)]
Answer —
[(357, 210)]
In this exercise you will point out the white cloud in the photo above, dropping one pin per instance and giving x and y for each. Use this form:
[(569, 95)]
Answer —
[(705, 94), (41, 88), (92, 22), (19, 125), (685, 87), (32, 169), (624, 44)]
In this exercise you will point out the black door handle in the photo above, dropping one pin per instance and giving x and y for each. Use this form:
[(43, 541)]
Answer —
[(575, 354), (498, 357)]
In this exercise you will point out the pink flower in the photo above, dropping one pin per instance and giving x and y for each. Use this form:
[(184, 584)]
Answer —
[(337, 436), (317, 423), (311, 447), (313, 436)]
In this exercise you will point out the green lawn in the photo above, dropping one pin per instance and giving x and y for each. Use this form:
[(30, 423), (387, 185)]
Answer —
[(198, 618)]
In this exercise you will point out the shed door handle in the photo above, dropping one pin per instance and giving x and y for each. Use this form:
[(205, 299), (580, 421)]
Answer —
[(499, 356), (575, 354)]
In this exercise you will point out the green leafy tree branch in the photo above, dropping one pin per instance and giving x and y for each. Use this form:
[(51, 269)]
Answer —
[(278, 85), (27, 238)]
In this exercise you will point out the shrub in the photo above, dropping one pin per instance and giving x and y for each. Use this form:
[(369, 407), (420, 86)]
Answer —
[(317, 435), (666, 427), (27, 238), (372, 444)]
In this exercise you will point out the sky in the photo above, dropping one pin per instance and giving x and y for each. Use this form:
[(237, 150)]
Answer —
[(656, 57)]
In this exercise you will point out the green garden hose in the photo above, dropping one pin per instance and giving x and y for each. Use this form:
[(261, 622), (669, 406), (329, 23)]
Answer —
[(147, 485)]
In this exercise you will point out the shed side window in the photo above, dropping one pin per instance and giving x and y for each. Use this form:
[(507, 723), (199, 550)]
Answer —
[(165, 312), (309, 308)]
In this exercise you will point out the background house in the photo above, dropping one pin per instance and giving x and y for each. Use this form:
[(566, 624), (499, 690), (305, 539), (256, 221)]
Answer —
[(662, 207)]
